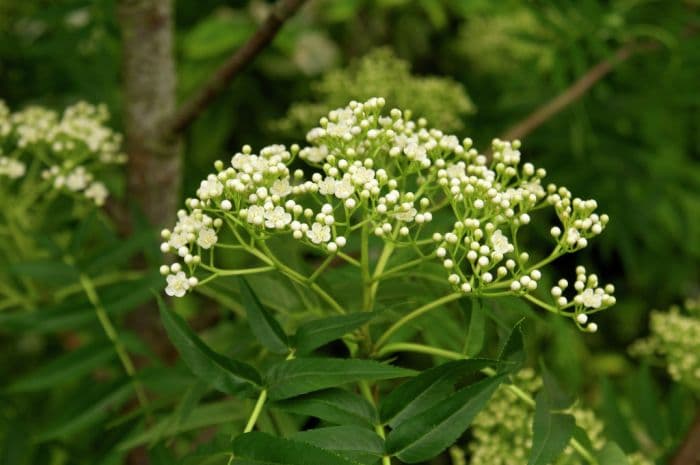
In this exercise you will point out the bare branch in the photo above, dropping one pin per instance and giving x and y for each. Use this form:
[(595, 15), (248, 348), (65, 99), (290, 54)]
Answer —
[(572, 93), (236, 63)]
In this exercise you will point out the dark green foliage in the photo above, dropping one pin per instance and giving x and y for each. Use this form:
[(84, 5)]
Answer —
[(632, 141)]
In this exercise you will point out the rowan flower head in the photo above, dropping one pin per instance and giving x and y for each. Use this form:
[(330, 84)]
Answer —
[(380, 173)]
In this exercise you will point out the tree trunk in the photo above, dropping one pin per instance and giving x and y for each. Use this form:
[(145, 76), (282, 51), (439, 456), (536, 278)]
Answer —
[(154, 168)]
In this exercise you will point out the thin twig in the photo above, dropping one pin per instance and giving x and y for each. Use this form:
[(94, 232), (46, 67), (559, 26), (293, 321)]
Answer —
[(574, 92), (236, 63)]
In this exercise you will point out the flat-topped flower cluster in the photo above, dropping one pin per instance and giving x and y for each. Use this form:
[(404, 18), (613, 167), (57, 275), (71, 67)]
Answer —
[(371, 173), (62, 152)]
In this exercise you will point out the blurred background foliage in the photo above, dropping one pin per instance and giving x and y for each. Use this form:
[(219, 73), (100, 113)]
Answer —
[(475, 67)]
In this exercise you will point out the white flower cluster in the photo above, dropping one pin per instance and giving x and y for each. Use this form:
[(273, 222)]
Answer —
[(590, 297), (12, 168), (502, 432), (386, 175), (675, 338), (68, 150)]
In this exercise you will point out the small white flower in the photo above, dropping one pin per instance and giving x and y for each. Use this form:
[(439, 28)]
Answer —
[(97, 192), (319, 233), (77, 180), (572, 236), (207, 238), (591, 299), (362, 176), (277, 218), (178, 240), (210, 188), (500, 243), (326, 186), (405, 215), (256, 215), (314, 154), (177, 284), (281, 188), (344, 189)]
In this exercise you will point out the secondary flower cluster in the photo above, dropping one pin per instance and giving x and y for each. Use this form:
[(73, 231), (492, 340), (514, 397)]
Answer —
[(371, 173), (66, 151), (502, 432), (442, 101), (675, 337)]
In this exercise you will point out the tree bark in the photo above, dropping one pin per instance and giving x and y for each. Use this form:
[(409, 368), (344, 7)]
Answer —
[(689, 451), (154, 167)]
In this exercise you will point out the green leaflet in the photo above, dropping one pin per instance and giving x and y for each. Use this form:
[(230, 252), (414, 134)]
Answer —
[(425, 390), (477, 328), (65, 368), (91, 415), (260, 448), (611, 454), (317, 333), (266, 329), (225, 374), (512, 354), (294, 377), (334, 405), (427, 434), (201, 416), (552, 429), (359, 444)]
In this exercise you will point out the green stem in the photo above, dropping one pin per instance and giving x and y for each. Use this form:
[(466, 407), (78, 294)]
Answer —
[(417, 348), (299, 278), (378, 428), (349, 259), (539, 303), (378, 270), (397, 269), (415, 314), (238, 272), (113, 336), (519, 393), (364, 262), (100, 281), (256, 412), (321, 268)]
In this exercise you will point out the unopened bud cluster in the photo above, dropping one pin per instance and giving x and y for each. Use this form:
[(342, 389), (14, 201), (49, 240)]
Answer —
[(372, 173), (675, 338), (66, 152), (502, 432)]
